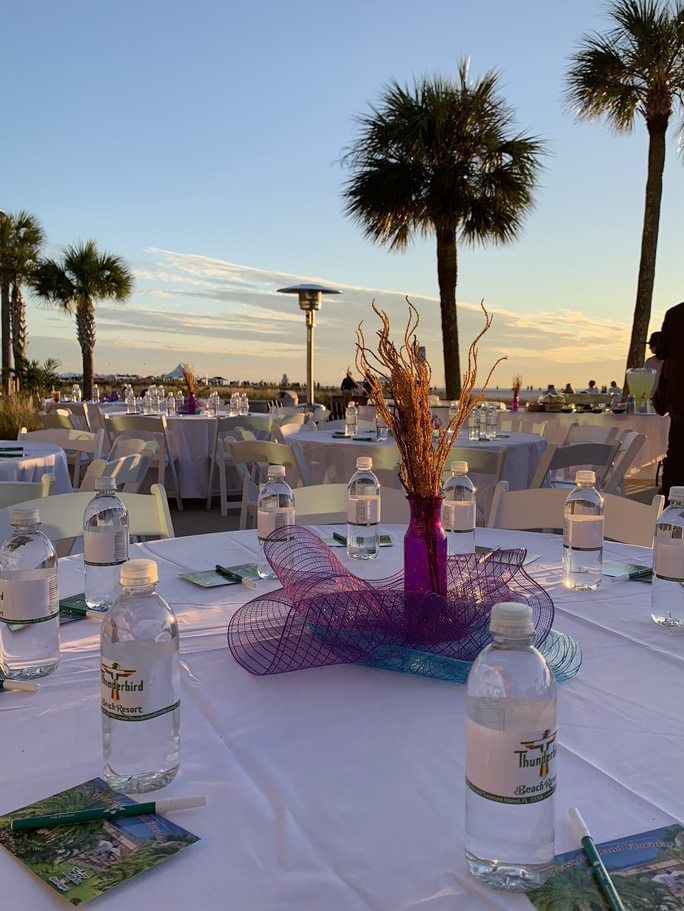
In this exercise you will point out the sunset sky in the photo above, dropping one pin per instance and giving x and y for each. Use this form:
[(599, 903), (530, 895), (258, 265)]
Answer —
[(202, 143)]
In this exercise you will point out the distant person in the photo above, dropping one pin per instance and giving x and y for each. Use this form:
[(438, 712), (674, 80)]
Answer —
[(654, 362), (348, 384), (592, 387), (614, 385), (669, 395), (568, 389)]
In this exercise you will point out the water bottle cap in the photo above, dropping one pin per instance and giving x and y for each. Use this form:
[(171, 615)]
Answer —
[(105, 483), (25, 515), (585, 477), (138, 572), (276, 471), (511, 619), (676, 493), (364, 463), (459, 466)]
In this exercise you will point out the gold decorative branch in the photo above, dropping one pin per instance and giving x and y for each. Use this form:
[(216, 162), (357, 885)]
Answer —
[(404, 375), (189, 377)]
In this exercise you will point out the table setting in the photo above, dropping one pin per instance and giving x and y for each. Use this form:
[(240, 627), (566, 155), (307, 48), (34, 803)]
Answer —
[(28, 461)]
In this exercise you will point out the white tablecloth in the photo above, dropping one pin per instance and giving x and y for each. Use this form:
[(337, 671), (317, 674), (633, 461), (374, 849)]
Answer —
[(334, 459), (38, 459), (341, 788)]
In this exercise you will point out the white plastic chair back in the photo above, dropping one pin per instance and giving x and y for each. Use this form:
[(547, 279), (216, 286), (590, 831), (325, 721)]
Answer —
[(326, 504), (80, 445), (13, 492)]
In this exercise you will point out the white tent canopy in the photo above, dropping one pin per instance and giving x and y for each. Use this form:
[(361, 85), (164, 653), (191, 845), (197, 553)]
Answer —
[(175, 374)]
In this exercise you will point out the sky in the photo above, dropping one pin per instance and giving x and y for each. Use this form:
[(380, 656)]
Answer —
[(202, 142)]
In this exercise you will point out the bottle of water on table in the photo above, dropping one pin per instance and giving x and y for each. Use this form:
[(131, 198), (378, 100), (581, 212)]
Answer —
[(170, 403), (510, 756), (351, 419), (105, 544), (29, 599), (244, 404), (474, 425), (96, 393), (131, 404), (491, 422), (363, 512), (458, 510), (583, 534), (275, 509), (667, 590), (140, 684)]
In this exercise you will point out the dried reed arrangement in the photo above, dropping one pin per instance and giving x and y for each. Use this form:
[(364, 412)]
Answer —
[(189, 377), (405, 374), (517, 384)]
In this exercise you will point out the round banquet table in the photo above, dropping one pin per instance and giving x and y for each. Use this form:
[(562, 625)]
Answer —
[(343, 787), (334, 459), (37, 460)]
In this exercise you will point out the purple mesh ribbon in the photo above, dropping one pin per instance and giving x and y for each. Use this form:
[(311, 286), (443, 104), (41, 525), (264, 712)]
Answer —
[(325, 615)]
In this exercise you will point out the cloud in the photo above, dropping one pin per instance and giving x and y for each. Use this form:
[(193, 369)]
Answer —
[(228, 318)]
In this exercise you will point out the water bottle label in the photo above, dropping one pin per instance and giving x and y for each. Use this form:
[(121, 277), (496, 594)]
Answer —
[(583, 532), (459, 516), (269, 521), (363, 510), (105, 546), (510, 767), (25, 601), (668, 560), (139, 680)]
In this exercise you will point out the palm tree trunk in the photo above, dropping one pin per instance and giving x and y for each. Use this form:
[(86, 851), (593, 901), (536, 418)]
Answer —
[(85, 332), (6, 334), (446, 274), (649, 241), (18, 321)]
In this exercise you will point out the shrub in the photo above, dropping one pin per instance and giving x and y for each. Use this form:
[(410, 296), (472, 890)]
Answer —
[(16, 411)]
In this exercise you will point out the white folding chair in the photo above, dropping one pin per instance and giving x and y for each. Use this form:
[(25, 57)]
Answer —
[(630, 444), (589, 433), (598, 456), (61, 516), (81, 446), (326, 504), (485, 469), (516, 423), (626, 521), (58, 419), (148, 427), (13, 492), (128, 471), (242, 427)]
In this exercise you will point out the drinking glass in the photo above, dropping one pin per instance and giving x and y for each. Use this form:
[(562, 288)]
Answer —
[(381, 430)]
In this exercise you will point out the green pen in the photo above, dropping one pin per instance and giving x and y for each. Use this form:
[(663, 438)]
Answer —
[(236, 577), (340, 538), (83, 612), (21, 686), (605, 883), (31, 823)]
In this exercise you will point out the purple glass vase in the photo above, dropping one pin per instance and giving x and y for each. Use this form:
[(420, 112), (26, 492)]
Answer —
[(425, 547), (191, 403), (516, 403)]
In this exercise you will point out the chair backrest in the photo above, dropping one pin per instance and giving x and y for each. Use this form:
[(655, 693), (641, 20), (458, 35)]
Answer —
[(125, 446), (626, 521), (60, 418), (13, 492), (129, 471), (61, 515), (294, 420), (70, 440), (480, 461), (326, 504), (225, 424), (145, 424), (630, 444), (517, 423), (554, 458), (320, 415), (80, 415), (589, 433), (261, 453)]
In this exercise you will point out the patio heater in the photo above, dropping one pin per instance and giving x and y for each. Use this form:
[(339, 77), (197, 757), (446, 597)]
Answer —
[(310, 300)]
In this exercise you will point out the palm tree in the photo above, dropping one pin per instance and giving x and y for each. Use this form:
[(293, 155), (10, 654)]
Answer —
[(440, 158), (634, 71), (21, 237), (83, 277)]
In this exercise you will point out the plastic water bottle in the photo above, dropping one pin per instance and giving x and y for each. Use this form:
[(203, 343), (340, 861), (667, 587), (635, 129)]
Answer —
[(96, 393), (244, 405), (363, 512), (453, 411), (233, 407), (583, 534), (458, 511), (351, 419), (667, 590), (474, 425), (29, 599), (170, 403), (140, 684), (275, 509), (76, 392), (510, 756), (130, 402), (105, 544), (180, 401), (491, 422)]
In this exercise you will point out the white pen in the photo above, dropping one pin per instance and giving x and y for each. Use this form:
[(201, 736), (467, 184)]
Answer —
[(20, 686)]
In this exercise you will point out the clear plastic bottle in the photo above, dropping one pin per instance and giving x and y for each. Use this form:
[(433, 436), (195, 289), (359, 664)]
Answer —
[(459, 511), (29, 599), (105, 544), (275, 509), (363, 512), (170, 403), (474, 425), (510, 756), (96, 393), (667, 590), (76, 392), (351, 419), (180, 401), (131, 404), (453, 411), (583, 534), (491, 422), (140, 684), (244, 404)]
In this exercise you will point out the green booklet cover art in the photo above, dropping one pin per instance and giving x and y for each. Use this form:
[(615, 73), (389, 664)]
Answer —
[(646, 869), (81, 862)]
